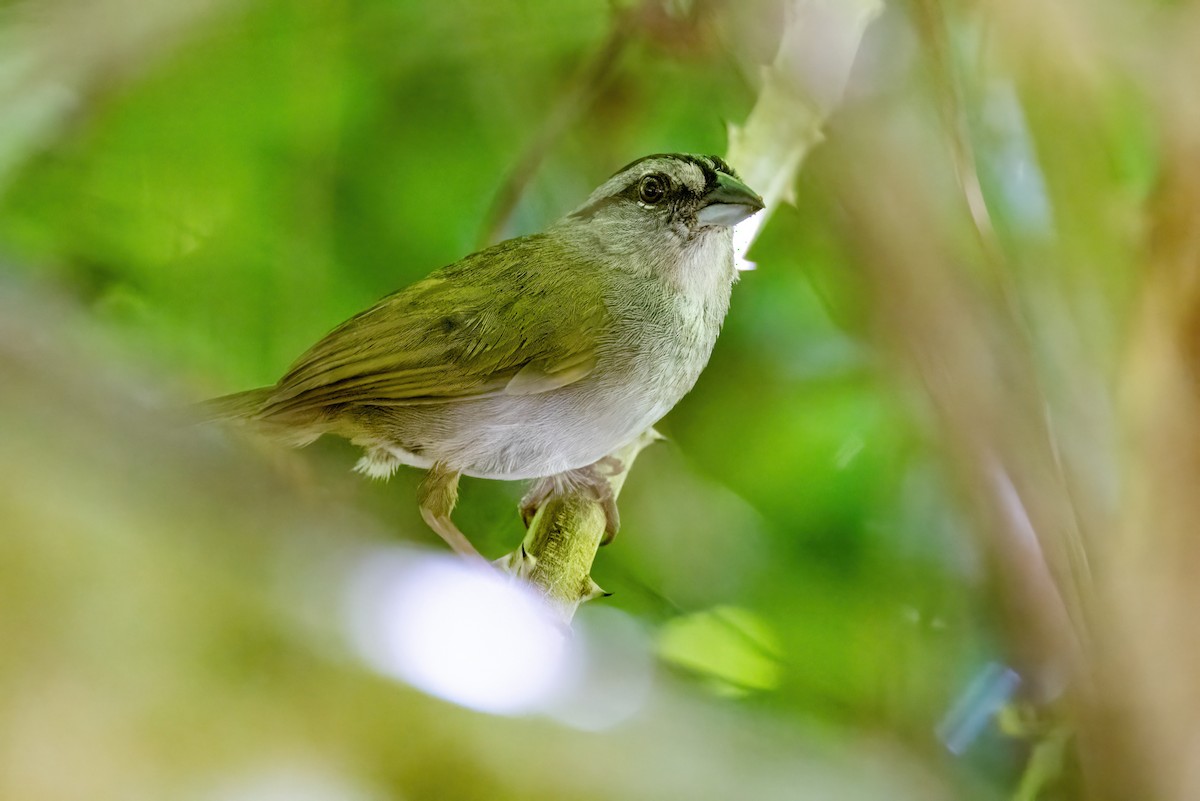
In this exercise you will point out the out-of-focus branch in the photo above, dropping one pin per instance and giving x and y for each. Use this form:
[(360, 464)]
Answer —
[(1056, 558), (931, 26), (941, 331), (579, 97), (1024, 406), (1148, 699), (800, 88)]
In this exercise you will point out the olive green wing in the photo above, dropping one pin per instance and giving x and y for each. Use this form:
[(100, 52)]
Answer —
[(515, 319)]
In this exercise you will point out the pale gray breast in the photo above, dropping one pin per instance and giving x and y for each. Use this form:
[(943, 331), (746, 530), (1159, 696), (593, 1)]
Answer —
[(660, 345)]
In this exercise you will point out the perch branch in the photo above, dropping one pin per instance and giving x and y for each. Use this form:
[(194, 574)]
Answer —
[(557, 552)]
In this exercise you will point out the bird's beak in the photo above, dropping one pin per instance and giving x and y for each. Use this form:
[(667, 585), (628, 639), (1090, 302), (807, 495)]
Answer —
[(730, 202)]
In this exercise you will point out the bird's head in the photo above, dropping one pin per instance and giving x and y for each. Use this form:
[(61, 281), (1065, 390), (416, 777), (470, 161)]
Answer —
[(664, 206)]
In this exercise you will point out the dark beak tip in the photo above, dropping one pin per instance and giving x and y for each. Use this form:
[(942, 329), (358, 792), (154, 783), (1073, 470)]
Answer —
[(731, 190), (755, 204)]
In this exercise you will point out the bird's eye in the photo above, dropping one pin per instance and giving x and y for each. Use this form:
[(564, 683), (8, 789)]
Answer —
[(652, 190)]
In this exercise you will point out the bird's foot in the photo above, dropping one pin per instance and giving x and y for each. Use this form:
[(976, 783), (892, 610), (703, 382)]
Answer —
[(591, 480)]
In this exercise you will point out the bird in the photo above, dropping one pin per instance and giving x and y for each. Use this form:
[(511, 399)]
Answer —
[(534, 358)]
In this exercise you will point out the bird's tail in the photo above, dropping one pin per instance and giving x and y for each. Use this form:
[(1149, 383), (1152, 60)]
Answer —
[(239, 405)]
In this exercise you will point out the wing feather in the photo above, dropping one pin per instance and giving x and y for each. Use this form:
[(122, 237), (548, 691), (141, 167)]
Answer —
[(511, 319)]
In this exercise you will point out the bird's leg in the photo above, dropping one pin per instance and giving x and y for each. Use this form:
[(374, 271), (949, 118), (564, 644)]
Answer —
[(593, 479), (437, 496)]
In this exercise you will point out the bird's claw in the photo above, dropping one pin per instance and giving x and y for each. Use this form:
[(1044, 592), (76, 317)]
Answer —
[(588, 479), (612, 518), (528, 512)]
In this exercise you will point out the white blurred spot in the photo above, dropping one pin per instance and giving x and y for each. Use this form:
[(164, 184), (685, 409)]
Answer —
[(458, 631)]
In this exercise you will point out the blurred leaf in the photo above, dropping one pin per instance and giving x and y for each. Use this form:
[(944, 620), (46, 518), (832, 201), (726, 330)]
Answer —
[(735, 650)]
